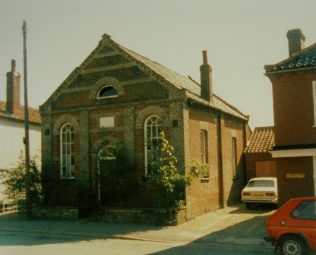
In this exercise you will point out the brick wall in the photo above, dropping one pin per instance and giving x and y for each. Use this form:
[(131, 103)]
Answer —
[(293, 108), (204, 194), (294, 125), (232, 185)]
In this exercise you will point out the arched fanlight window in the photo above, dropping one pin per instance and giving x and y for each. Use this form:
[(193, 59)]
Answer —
[(106, 92), (152, 129), (67, 166)]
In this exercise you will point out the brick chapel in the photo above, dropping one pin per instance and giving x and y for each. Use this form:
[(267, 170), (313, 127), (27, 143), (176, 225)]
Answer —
[(116, 102)]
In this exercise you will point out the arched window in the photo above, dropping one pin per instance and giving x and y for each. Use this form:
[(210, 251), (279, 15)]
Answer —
[(106, 92), (67, 166), (152, 128)]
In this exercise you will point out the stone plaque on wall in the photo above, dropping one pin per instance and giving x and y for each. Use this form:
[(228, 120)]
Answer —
[(107, 122)]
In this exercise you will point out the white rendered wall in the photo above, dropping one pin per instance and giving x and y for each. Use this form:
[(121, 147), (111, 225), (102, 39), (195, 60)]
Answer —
[(11, 143)]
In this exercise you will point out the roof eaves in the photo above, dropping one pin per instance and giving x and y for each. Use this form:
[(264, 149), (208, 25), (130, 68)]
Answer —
[(289, 59), (232, 107), (291, 70), (235, 112), (18, 119)]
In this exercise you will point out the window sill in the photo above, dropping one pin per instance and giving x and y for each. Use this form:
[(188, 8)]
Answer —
[(205, 179), (106, 97), (67, 178)]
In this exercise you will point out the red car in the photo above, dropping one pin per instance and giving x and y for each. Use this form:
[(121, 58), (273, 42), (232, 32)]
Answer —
[(292, 228)]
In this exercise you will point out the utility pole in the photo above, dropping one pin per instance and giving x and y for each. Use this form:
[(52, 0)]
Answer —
[(26, 127)]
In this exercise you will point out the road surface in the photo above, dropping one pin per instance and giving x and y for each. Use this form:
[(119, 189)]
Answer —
[(27, 244)]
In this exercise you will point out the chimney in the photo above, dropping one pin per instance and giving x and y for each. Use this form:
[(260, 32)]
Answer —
[(206, 79), (296, 40), (13, 89)]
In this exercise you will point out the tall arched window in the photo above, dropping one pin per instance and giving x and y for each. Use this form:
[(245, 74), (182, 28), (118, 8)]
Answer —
[(152, 128), (67, 166)]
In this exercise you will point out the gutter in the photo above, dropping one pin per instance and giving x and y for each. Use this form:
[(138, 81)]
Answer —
[(289, 70)]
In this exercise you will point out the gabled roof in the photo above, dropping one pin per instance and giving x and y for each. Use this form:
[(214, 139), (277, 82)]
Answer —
[(18, 115), (192, 88), (261, 140), (304, 59), (178, 80)]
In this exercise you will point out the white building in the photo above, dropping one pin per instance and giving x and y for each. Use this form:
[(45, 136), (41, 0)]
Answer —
[(12, 125)]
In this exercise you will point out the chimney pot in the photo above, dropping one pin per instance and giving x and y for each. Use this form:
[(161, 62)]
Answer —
[(13, 65), (204, 57)]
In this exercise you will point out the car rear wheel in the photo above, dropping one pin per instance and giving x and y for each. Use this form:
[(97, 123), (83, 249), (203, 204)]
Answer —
[(292, 245)]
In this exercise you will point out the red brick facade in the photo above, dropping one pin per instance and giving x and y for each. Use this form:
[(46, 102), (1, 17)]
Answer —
[(294, 118), (144, 88)]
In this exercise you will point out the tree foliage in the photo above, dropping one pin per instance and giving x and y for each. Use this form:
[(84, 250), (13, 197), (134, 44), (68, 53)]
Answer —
[(14, 180)]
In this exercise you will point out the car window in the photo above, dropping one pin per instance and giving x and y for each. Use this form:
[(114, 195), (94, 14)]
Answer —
[(305, 210), (261, 183)]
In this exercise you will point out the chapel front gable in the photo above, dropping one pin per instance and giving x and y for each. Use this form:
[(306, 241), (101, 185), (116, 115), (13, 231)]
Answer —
[(110, 75)]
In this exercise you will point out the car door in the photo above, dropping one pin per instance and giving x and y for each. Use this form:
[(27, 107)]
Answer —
[(304, 219)]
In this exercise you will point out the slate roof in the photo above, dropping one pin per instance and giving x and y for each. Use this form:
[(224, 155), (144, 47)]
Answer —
[(18, 115), (304, 59), (193, 89), (178, 80), (261, 140)]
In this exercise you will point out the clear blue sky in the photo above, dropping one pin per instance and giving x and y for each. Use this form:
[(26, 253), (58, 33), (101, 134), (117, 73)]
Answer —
[(241, 36)]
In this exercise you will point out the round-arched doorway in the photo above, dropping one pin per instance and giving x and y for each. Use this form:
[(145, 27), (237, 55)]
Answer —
[(106, 165)]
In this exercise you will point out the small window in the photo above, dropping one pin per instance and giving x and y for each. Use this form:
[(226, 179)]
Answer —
[(204, 153), (203, 146), (234, 156), (106, 92)]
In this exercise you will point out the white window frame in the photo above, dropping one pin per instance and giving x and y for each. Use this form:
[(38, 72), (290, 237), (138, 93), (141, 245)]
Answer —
[(155, 128), (314, 100), (66, 152), (102, 97)]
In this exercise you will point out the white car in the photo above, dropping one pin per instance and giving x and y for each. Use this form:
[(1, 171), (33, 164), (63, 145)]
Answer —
[(260, 190)]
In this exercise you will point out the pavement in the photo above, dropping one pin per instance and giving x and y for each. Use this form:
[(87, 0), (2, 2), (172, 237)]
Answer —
[(228, 226)]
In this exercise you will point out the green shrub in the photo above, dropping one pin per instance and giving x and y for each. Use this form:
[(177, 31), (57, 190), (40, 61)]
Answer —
[(14, 180), (167, 180)]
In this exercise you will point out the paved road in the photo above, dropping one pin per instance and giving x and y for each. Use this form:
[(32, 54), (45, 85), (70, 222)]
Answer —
[(22, 244), (233, 230)]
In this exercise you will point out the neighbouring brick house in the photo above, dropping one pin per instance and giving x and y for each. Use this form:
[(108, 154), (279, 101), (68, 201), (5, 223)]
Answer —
[(118, 101), (294, 100), (259, 162), (12, 125)]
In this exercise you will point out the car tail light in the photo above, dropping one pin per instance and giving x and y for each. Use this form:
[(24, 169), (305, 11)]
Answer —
[(270, 194), (246, 193)]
